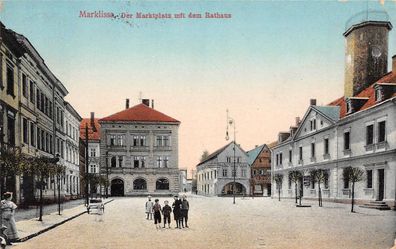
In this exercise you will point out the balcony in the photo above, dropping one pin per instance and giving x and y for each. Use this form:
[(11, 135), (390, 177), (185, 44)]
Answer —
[(382, 145), (369, 147)]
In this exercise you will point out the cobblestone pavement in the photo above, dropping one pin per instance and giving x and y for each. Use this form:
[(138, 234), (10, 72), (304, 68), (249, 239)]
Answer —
[(24, 214), (217, 223)]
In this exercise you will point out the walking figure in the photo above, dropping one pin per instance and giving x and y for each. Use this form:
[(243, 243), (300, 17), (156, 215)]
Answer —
[(8, 211), (157, 214), (185, 206), (149, 208), (166, 211), (176, 211)]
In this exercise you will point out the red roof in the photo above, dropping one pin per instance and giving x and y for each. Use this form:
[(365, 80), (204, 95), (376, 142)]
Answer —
[(367, 93), (140, 113), (93, 132)]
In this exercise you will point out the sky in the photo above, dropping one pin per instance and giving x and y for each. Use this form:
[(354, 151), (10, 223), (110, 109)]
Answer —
[(263, 64)]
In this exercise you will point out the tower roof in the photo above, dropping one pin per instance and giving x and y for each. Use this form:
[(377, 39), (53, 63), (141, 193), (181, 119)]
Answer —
[(140, 113), (386, 24)]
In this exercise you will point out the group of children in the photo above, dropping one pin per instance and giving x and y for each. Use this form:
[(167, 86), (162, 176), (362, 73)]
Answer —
[(180, 209)]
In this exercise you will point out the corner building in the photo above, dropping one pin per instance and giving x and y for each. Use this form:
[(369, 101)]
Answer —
[(139, 152)]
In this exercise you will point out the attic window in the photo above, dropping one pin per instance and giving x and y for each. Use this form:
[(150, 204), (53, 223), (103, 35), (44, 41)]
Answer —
[(378, 94), (348, 106)]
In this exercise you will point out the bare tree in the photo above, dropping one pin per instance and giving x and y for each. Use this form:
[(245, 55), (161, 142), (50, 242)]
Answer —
[(295, 176), (353, 175), (319, 176), (278, 178)]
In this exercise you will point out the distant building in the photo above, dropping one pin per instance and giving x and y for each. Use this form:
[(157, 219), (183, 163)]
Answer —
[(259, 160), (358, 129), (215, 175), (139, 150)]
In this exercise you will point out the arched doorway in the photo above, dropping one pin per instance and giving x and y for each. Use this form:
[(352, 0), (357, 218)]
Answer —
[(162, 184), (228, 189), (117, 187), (139, 184)]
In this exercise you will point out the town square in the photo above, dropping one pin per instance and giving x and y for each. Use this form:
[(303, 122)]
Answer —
[(199, 124)]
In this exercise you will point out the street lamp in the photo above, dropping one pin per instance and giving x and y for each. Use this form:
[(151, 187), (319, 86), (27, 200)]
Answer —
[(86, 164), (107, 174), (59, 186), (231, 122)]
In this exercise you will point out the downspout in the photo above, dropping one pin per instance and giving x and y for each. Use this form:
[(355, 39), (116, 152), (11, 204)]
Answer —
[(394, 204)]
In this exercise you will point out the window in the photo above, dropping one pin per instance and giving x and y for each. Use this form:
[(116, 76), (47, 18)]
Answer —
[(38, 138), (289, 183), (38, 99), (233, 173), (280, 158), (378, 94), (142, 140), (50, 109), (24, 85), (348, 107), (1, 71), (93, 152), (369, 178), (347, 145), (159, 140), (120, 140), (93, 169), (136, 162), (228, 159), (32, 135), (162, 184), (166, 160), (120, 160), (381, 131), (50, 144), (312, 150), (113, 162), (243, 172), (166, 140), (112, 140), (326, 181), (135, 140), (300, 153), (225, 172), (159, 160), (290, 156), (10, 81), (25, 130), (326, 146), (143, 161), (32, 96), (139, 184), (346, 183), (312, 183), (254, 172), (369, 134)]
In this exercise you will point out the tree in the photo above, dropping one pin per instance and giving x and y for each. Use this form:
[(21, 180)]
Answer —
[(295, 176), (204, 156), (95, 180), (319, 176), (278, 178), (12, 163), (353, 175)]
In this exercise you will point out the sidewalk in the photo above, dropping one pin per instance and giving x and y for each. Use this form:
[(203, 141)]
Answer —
[(30, 228)]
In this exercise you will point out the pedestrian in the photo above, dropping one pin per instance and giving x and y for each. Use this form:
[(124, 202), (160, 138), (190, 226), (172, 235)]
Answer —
[(176, 211), (157, 214), (166, 212), (149, 208), (8, 211), (185, 206)]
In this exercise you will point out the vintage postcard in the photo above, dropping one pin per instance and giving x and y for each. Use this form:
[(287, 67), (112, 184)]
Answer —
[(198, 124)]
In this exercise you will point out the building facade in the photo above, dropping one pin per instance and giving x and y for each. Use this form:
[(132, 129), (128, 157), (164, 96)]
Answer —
[(259, 160), (139, 151), (357, 130), (32, 111), (215, 175)]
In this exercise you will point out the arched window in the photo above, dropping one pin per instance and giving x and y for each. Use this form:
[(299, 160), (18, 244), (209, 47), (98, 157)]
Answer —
[(162, 184), (113, 162), (139, 184)]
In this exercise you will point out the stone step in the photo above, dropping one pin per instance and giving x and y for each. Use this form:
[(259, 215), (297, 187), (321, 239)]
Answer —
[(377, 202), (376, 205)]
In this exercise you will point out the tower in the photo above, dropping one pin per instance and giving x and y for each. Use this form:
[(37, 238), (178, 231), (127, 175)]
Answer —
[(366, 54)]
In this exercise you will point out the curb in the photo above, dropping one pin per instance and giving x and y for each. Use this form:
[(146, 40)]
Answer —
[(54, 225)]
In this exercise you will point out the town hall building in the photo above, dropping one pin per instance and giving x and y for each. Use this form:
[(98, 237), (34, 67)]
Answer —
[(139, 151)]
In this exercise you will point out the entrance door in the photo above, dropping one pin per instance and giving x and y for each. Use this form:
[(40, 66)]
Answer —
[(381, 185), (117, 187)]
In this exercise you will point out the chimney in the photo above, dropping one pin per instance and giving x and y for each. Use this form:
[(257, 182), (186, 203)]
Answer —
[(152, 103), (256, 146), (146, 102), (92, 120), (127, 104), (312, 102), (394, 63)]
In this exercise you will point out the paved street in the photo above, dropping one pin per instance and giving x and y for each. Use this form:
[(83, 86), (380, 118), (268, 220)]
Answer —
[(216, 223)]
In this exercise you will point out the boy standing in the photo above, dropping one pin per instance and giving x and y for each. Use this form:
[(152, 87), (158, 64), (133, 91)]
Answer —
[(166, 211), (149, 208), (185, 206), (157, 214)]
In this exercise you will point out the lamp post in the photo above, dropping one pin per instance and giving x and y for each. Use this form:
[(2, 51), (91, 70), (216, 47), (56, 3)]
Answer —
[(59, 185), (107, 174), (86, 164), (231, 122)]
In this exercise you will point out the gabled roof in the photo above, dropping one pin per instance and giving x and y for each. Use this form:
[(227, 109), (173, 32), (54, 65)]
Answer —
[(368, 92), (93, 132), (254, 153), (140, 113), (214, 154)]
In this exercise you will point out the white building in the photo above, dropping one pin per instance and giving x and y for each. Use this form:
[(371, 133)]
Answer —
[(358, 129), (215, 175), (139, 149), (71, 161)]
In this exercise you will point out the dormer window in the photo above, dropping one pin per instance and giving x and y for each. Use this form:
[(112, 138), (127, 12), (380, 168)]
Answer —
[(348, 106), (378, 94)]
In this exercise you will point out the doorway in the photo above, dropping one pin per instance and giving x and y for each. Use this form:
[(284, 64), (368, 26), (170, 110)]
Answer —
[(117, 187), (381, 184)]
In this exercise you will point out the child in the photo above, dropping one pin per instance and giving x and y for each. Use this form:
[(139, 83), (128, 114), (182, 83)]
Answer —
[(149, 208), (157, 214), (166, 211)]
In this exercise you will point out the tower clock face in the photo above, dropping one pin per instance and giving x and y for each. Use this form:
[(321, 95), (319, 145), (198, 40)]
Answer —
[(376, 52)]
